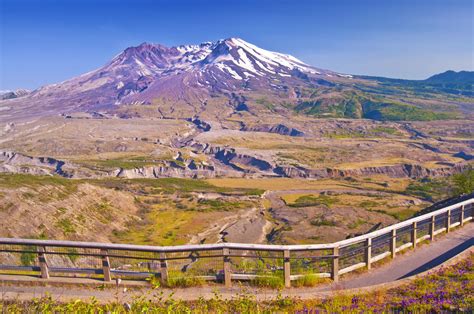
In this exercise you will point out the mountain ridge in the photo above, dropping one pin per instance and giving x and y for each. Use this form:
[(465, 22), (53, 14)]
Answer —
[(229, 74), (450, 76)]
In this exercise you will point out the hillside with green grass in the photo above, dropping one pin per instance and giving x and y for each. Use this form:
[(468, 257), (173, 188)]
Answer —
[(357, 105)]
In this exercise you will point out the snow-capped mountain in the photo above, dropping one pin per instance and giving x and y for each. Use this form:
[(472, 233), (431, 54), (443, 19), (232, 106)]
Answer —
[(8, 94), (143, 73)]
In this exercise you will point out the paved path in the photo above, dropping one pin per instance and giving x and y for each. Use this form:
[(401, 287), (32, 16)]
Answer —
[(406, 265), (415, 262)]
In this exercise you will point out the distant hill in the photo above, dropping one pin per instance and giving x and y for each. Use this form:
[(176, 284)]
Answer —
[(450, 82), (449, 77)]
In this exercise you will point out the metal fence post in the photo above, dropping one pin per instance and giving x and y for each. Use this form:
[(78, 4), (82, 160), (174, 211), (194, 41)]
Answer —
[(462, 216), (448, 220), (287, 268), (413, 234), (163, 269), (105, 265), (432, 227), (393, 243), (335, 264), (43, 262), (227, 270), (368, 253)]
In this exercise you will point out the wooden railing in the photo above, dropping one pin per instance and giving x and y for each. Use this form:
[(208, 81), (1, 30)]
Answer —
[(225, 262)]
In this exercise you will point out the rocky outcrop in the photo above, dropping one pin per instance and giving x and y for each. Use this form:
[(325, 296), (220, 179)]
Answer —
[(237, 161), (229, 156), (200, 124), (168, 169), (19, 163), (223, 161), (394, 171), (238, 102), (13, 94), (273, 128)]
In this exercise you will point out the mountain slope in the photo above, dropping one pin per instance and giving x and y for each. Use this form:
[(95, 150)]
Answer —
[(13, 94), (211, 79)]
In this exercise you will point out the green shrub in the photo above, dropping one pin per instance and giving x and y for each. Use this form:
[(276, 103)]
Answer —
[(368, 204), (429, 189), (310, 200), (355, 224), (28, 258), (464, 182), (320, 221), (66, 226), (179, 280), (399, 215), (309, 280), (273, 281)]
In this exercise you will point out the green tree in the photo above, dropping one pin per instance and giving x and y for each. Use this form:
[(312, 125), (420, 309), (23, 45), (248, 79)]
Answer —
[(464, 182)]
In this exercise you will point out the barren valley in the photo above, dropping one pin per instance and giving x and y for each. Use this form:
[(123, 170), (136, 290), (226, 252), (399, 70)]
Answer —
[(227, 142)]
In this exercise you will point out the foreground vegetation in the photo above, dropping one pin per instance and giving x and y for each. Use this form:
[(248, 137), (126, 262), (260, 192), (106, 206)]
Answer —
[(449, 289)]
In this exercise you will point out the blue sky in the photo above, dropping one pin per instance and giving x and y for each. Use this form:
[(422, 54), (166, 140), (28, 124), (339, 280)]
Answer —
[(47, 41)]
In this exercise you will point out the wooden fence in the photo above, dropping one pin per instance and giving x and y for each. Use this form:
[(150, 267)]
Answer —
[(225, 262)]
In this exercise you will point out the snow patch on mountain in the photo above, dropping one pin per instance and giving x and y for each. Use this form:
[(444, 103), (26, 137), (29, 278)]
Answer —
[(148, 71), (234, 74)]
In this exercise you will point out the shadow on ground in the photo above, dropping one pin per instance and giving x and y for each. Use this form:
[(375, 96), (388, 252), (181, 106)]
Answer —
[(442, 258)]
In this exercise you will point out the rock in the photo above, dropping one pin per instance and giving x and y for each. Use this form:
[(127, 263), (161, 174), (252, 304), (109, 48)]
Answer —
[(201, 125), (18, 163), (277, 128), (394, 171)]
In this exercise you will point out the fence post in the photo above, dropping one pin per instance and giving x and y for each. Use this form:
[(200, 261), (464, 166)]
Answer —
[(413, 234), (368, 253), (287, 268), (448, 220), (163, 269), (43, 262), (432, 227), (105, 265), (227, 270), (462, 216), (335, 264), (393, 244)]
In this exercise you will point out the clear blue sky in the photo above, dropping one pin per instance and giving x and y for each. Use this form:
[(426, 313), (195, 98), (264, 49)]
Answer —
[(46, 41)]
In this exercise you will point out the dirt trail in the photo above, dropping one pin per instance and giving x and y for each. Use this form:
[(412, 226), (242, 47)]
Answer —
[(247, 227)]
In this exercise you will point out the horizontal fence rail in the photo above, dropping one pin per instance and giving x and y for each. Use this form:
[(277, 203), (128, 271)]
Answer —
[(224, 262)]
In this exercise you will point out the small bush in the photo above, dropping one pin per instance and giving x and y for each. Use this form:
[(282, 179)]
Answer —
[(309, 280), (66, 226), (27, 258), (268, 281), (321, 221), (310, 200), (464, 182), (183, 281)]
